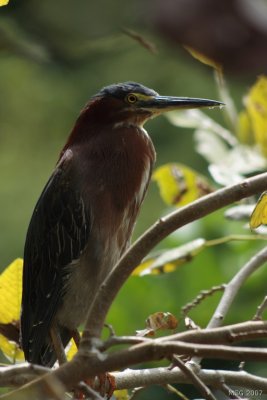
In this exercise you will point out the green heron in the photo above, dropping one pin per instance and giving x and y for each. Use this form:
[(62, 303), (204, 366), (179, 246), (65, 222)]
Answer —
[(84, 218)]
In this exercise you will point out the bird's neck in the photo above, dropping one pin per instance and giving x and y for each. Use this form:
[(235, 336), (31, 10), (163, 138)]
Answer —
[(96, 118)]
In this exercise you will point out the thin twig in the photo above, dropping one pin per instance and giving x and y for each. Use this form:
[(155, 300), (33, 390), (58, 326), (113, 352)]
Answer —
[(200, 297), (177, 392), (260, 309), (226, 334), (123, 340), (234, 285), (136, 392), (91, 393), (231, 290), (197, 382), (229, 392)]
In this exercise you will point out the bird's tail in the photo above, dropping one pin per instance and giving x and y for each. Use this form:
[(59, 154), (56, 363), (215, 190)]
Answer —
[(47, 355)]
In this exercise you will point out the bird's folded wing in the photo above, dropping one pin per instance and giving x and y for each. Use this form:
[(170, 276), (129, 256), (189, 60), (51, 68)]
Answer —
[(57, 235)]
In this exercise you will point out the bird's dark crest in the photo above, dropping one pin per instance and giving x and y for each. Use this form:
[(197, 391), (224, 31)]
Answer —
[(120, 90)]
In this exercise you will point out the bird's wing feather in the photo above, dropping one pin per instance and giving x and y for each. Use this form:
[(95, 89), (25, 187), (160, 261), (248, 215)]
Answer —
[(57, 235)]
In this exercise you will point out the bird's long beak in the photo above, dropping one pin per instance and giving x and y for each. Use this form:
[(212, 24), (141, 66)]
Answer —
[(160, 104)]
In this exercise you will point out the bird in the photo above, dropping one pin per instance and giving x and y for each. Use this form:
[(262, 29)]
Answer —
[(84, 218)]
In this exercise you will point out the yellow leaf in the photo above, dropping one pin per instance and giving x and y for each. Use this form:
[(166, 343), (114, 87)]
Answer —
[(149, 267), (256, 107), (71, 350), (122, 394), (161, 320), (259, 214), (3, 2), (167, 261), (10, 292), (244, 128), (10, 300), (180, 185), (158, 321)]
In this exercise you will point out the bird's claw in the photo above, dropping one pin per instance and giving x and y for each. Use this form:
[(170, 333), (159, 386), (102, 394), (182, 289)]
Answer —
[(105, 386)]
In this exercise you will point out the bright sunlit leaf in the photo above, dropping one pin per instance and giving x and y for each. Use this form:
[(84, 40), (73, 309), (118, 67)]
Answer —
[(180, 185), (158, 321), (122, 394), (199, 120), (227, 165), (10, 300), (259, 214), (71, 350), (3, 2), (168, 260), (244, 129), (256, 108)]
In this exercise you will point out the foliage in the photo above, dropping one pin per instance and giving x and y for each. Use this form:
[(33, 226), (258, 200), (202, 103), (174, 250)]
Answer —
[(10, 300)]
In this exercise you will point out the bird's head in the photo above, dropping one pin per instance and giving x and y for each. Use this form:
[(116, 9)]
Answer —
[(125, 104), (134, 103)]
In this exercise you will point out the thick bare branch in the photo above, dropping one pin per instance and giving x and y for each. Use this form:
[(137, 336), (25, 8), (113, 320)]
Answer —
[(228, 334), (129, 378), (192, 212), (17, 375)]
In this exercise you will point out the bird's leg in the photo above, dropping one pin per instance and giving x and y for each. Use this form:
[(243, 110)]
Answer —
[(58, 346), (76, 337), (106, 382)]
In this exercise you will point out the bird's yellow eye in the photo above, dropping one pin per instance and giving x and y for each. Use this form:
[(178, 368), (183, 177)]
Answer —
[(131, 98)]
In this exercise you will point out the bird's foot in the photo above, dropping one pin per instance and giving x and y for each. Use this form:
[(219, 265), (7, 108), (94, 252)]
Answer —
[(104, 384), (107, 385)]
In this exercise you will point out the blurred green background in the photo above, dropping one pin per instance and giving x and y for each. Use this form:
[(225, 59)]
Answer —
[(53, 57)]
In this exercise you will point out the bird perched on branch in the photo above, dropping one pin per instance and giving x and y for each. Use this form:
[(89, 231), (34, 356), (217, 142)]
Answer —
[(84, 218)]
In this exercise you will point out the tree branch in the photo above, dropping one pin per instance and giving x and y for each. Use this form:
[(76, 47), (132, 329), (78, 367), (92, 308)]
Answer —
[(89, 360), (232, 288), (86, 363), (161, 229), (194, 378), (17, 375), (130, 378), (204, 343)]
